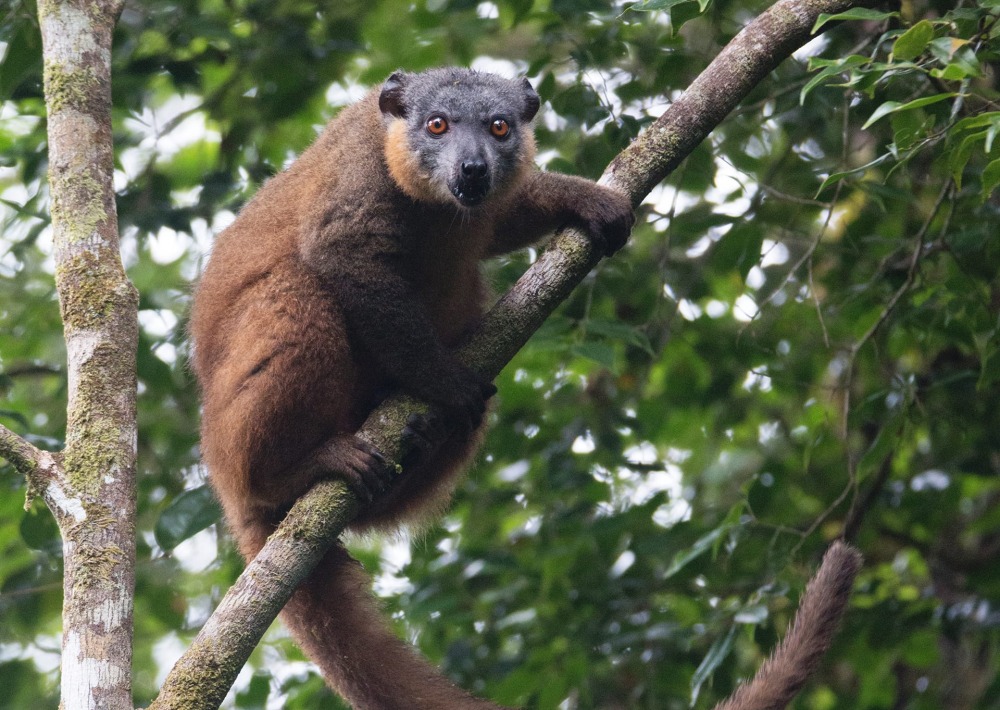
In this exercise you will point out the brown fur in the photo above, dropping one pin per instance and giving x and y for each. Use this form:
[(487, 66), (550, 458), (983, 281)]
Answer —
[(798, 656), (345, 277)]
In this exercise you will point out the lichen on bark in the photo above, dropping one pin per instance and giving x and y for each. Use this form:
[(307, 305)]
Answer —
[(67, 88), (85, 305)]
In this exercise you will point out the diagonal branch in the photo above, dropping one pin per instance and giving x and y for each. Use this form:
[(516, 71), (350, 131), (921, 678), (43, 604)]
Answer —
[(205, 672)]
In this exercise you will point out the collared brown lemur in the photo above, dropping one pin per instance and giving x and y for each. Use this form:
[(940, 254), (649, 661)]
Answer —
[(351, 274)]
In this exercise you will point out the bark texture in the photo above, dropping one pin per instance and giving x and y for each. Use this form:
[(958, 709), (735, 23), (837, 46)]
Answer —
[(91, 488), (205, 672)]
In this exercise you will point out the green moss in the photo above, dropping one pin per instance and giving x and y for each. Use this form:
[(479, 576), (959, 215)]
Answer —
[(96, 450), (32, 490), (195, 680), (68, 88), (90, 282), (96, 445), (77, 205), (329, 504), (45, 8)]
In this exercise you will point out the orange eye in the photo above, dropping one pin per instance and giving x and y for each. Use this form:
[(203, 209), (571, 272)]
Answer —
[(436, 125), (499, 128)]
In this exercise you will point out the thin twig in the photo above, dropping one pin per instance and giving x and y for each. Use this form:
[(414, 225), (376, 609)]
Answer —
[(32, 369)]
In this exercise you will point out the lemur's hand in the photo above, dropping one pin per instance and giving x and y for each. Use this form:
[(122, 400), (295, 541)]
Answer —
[(356, 462), (463, 394), (607, 217)]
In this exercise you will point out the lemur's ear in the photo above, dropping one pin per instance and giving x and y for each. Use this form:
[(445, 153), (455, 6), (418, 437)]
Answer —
[(531, 101), (390, 101)]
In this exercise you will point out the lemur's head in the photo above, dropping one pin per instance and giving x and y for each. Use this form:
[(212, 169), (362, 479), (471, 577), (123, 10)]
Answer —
[(457, 135)]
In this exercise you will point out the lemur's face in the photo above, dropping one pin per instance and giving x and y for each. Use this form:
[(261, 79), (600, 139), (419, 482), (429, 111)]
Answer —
[(465, 136)]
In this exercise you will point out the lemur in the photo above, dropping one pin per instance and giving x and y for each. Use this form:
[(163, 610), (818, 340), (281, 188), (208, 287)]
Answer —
[(353, 273)]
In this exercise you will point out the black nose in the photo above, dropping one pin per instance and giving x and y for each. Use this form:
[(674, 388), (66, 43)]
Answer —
[(475, 169)]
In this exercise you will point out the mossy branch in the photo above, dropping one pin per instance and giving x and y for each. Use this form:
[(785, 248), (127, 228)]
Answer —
[(202, 677), (39, 468), (19, 453)]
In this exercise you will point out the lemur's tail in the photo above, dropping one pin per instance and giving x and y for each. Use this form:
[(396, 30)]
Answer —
[(798, 656), (337, 622)]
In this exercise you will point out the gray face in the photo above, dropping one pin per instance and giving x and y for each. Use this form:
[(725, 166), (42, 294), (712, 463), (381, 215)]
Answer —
[(467, 129)]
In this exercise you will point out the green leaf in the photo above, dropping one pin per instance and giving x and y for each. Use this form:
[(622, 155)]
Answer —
[(837, 177), (715, 656), (617, 330), (951, 49), (553, 691), (601, 353), (958, 158), (191, 163), (883, 110), (190, 513), (921, 648), (989, 373), (857, 13), (952, 72), (700, 547), (893, 106), (912, 43), (739, 249), (683, 13), (829, 69), (16, 416), (991, 135), (254, 696), (39, 530), (907, 129), (653, 5), (22, 58), (883, 445), (991, 178), (990, 118)]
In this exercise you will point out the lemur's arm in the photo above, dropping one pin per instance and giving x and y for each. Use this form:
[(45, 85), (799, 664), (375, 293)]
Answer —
[(547, 201), (367, 275)]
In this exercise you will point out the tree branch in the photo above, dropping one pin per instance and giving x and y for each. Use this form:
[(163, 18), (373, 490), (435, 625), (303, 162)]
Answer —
[(205, 672), (32, 369), (42, 469), (21, 454)]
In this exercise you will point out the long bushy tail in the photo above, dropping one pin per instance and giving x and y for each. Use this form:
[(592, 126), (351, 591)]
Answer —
[(798, 656), (336, 621)]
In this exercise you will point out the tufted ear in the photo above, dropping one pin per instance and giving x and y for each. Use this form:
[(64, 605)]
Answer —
[(390, 101), (531, 101)]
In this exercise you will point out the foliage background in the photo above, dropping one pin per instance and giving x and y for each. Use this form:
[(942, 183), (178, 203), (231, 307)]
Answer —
[(801, 337)]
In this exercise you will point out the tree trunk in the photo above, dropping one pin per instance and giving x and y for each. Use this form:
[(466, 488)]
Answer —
[(92, 493)]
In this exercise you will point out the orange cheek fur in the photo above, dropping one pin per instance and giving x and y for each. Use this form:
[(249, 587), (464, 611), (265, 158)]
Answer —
[(404, 167)]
